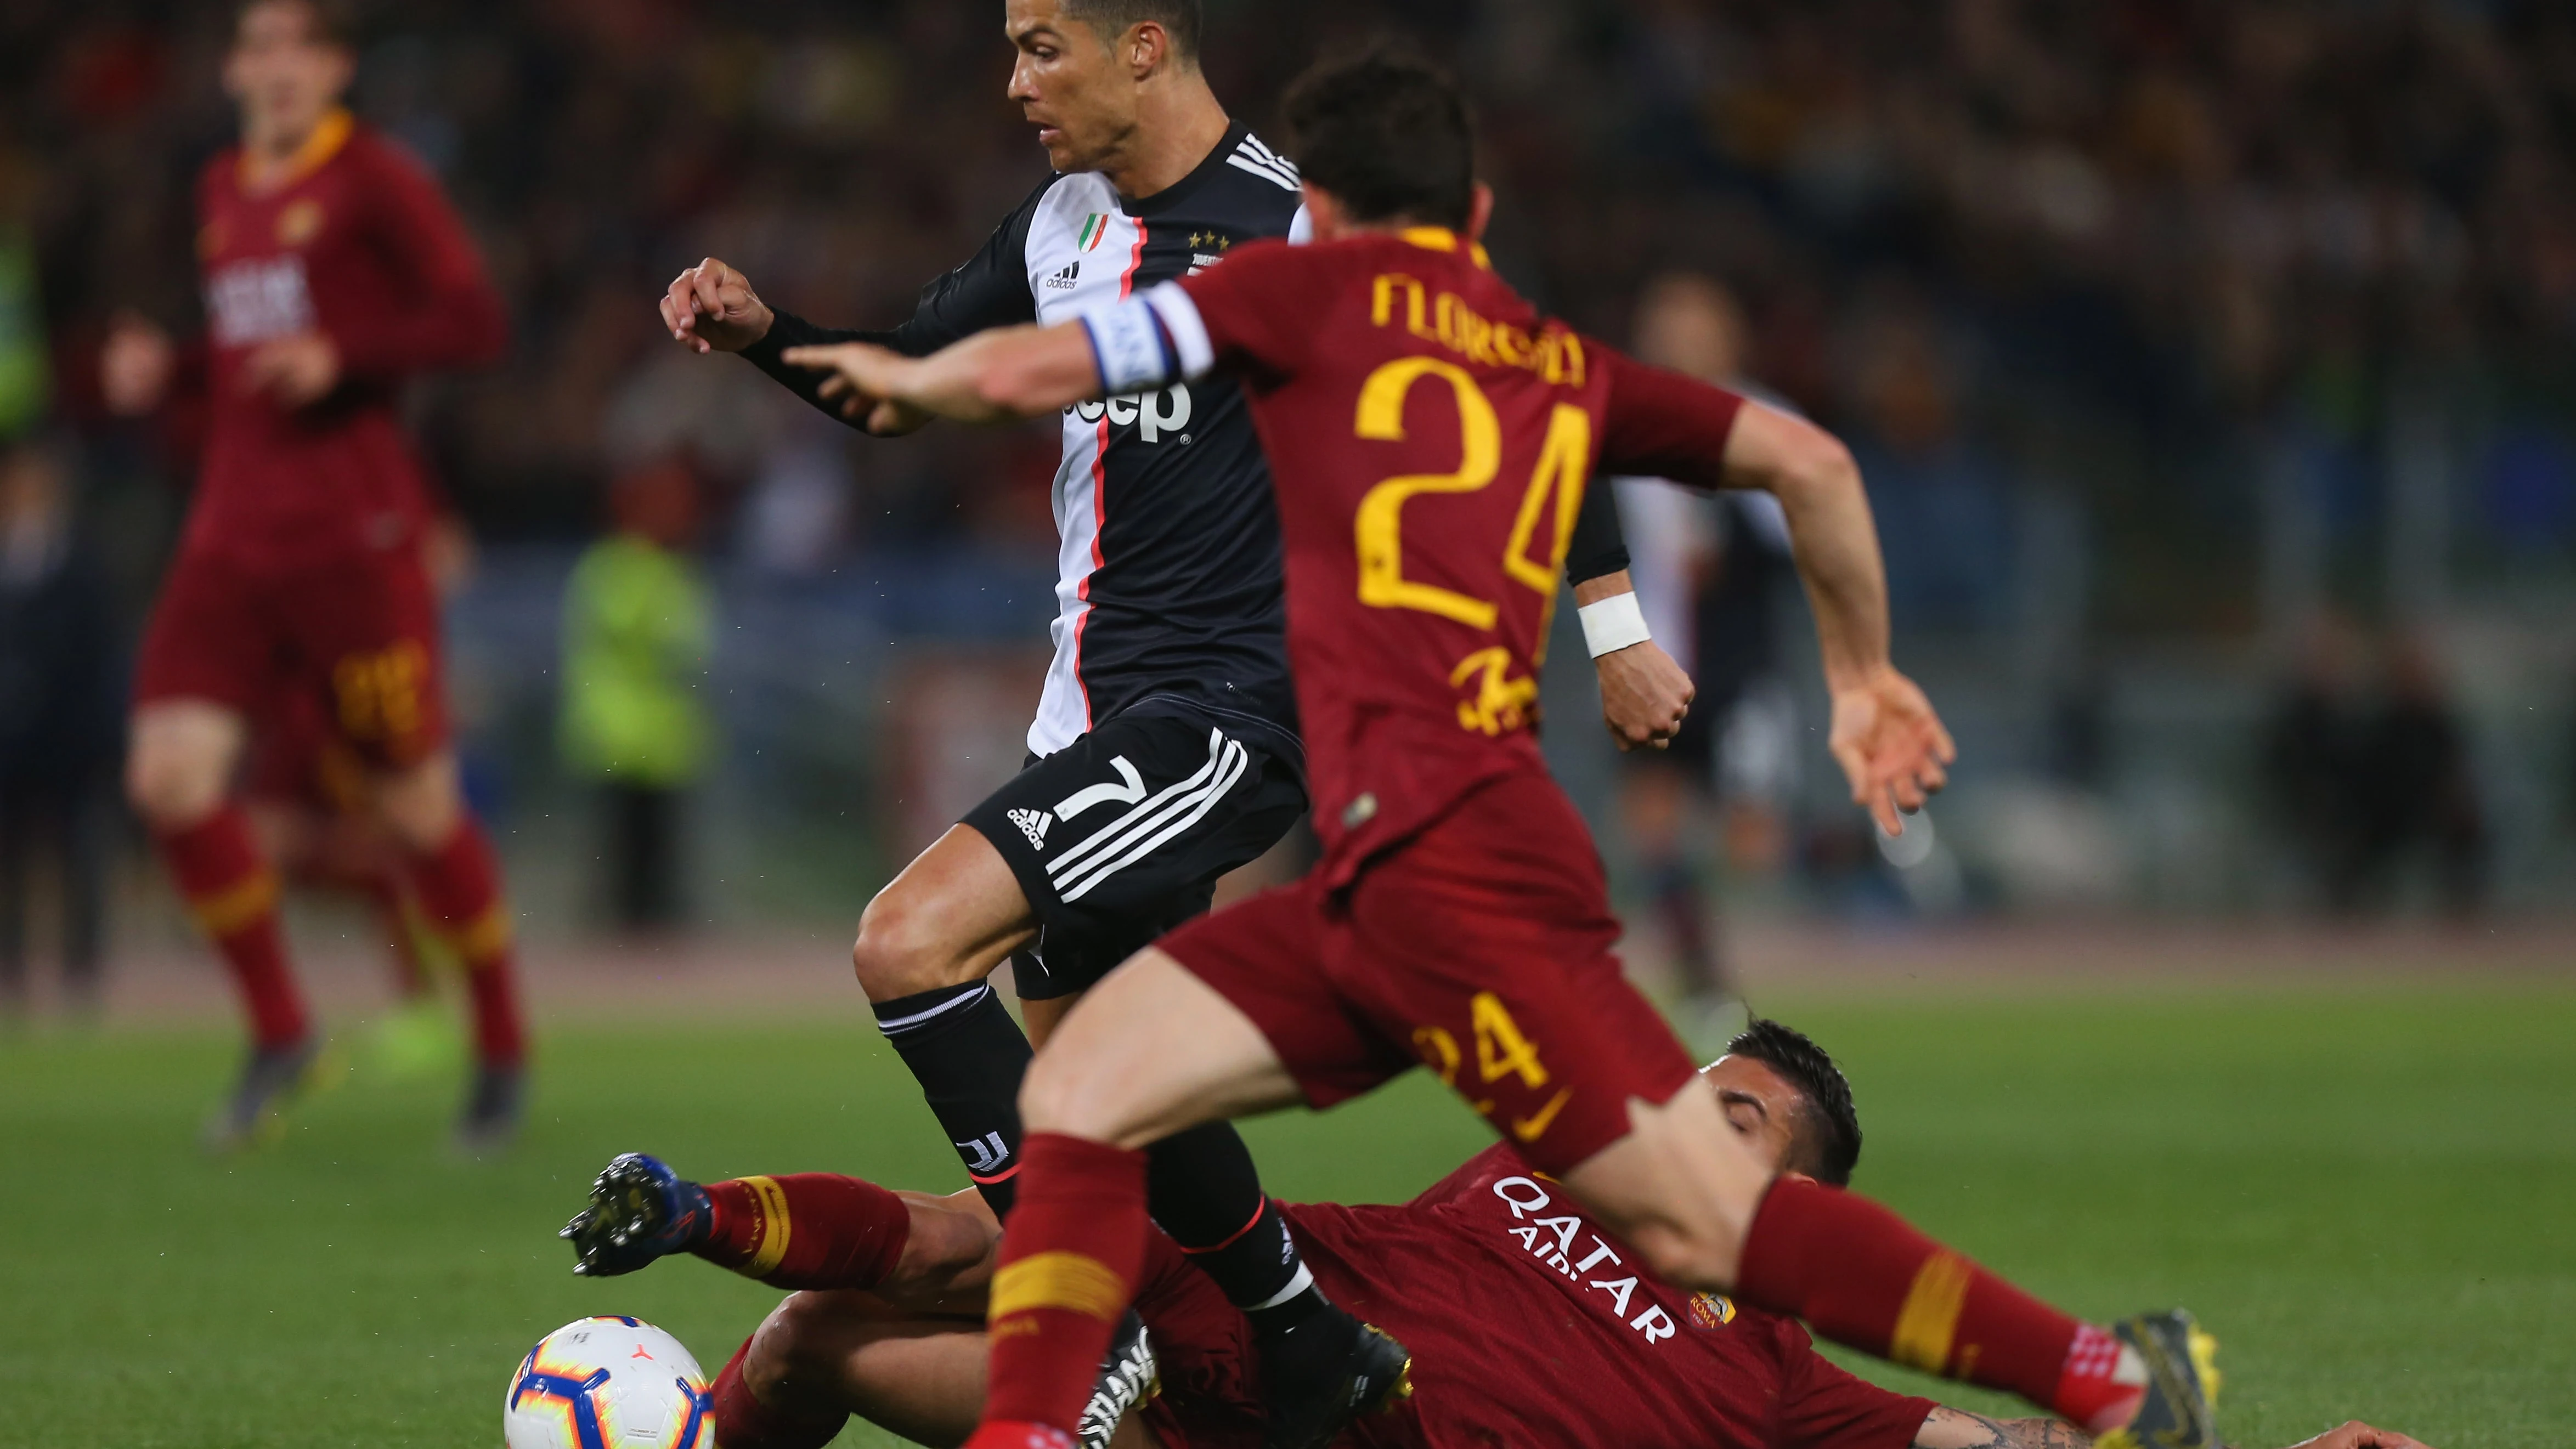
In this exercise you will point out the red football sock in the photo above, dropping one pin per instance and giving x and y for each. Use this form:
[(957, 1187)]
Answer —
[(232, 892), (459, 889), (807, 1230), (1070, 1257), (1860, 1275), (744, 1422)]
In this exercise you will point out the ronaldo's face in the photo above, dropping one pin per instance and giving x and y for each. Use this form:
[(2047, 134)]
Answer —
[(283, 75), (1068, 84), (1760, 1105)]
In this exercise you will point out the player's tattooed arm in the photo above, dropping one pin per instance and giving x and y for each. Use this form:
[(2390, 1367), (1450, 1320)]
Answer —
[(1946, 1428)]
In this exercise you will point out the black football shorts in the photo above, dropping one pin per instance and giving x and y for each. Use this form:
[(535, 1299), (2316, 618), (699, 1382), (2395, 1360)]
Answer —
[(1121, 835)]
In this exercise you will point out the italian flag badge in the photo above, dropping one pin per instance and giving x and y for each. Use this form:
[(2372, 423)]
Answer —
[(1094, 227)]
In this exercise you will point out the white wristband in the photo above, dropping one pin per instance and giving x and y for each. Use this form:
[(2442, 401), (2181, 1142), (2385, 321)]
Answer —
[(1613, 624)]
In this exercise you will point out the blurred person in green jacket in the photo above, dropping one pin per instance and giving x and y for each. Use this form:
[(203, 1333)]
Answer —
[(637, 624)]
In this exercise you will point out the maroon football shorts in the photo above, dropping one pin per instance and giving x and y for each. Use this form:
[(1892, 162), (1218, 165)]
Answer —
[(1480, 948), (359, 633)]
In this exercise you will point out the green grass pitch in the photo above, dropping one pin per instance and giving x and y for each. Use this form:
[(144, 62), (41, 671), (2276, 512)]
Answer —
[(2365, 1192)]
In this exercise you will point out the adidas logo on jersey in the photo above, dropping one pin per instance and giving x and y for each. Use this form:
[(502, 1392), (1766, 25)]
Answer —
[(1063, 281), (1033, 824)]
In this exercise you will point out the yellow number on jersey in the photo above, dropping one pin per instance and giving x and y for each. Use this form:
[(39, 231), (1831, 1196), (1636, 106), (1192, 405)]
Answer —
[(1501, 1050), (1563, 460), (1380, 528)]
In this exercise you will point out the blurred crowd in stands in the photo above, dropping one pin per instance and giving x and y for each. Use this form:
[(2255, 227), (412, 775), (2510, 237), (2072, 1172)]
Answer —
[(2126, 306)]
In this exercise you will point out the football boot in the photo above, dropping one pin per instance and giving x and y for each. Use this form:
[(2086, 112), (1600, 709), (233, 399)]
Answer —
[(1129, 1379), (490, 1121), (1323, 1373), (2180, 1409), (639, 1211), (273, 1080)]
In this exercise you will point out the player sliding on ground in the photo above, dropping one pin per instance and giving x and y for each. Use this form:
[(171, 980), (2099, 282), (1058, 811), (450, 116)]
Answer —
[(1165, 750), (334, 272), (1533, 1325), (1430, 436)]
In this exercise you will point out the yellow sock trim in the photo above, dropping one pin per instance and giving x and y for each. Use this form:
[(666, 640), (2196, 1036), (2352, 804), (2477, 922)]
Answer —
[(1931, 1314), (236, 906), (484, 937), (774, 1227), (1074, 1282)]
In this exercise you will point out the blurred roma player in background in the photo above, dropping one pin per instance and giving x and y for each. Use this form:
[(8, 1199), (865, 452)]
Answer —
[(333, 270)]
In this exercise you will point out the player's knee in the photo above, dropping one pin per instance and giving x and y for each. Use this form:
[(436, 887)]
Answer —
[(171, 789), (904, 949), (1062, 1093), (423, 805), (788, 1348), (1695, 1260)]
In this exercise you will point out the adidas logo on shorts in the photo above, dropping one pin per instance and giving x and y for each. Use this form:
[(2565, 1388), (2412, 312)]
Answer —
[(1033, 824)]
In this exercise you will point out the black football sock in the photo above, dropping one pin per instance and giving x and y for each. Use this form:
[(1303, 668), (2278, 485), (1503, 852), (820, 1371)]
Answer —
[(1204, 1192), (969, 1057)]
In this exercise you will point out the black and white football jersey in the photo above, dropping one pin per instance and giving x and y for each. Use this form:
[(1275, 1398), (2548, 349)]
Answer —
[(1168, 588)]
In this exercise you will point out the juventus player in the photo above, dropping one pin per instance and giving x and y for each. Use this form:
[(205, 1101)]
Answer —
[(1165, 751)]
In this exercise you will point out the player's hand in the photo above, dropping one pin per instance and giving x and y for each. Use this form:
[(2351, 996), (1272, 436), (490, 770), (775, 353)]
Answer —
[(295, 371), (2358, 1435), (1891, 746), (1644, 695), (134, 367), (712, 308), (863, 384)]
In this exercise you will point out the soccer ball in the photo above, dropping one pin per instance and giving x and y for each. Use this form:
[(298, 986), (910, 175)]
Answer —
[(609, 1383)]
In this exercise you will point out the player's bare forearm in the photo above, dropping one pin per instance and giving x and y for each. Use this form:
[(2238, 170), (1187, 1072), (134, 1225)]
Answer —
[(1885, 734), (1832, 535), (1644, 694), (998, 376), (1946, 1428)]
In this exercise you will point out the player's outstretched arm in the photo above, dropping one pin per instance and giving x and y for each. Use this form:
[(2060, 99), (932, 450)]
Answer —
[(1947, 1428), (1891, 745), (712, 307), (998, 376)]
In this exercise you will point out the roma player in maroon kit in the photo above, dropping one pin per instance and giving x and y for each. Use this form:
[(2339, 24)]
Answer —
[(1458, 917), (333, 271), (1533, 1325)]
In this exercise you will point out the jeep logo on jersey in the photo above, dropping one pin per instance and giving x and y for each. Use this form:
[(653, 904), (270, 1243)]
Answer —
[(1094, 227), (1153, 414), (1064, 280)]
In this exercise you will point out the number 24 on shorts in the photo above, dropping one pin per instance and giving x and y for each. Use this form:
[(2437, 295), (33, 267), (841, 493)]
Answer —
[(1502, 1050)]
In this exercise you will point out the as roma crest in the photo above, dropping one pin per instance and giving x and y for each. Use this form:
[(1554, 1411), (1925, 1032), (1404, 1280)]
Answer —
[(1708, 1311), (300, 222)]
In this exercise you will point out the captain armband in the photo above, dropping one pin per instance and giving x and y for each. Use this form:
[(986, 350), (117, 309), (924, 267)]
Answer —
[(1130, 348), (1613, 624)]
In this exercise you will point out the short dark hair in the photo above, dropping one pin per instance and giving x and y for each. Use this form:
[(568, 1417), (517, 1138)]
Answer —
[(1183, 20), (1826, 1144), (1389, 135), (331, 22)]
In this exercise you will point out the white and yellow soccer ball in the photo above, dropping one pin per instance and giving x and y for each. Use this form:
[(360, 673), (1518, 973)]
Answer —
[(609, 1383)]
